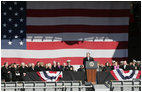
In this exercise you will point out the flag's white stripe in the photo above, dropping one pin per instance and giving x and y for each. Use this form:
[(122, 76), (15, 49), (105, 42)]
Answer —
[(42, 75), (127, 74), (46, 79), (78, 5), (77, 21), (52, 74), (103, 37), (136, 73), (117, 75), (63, 53)]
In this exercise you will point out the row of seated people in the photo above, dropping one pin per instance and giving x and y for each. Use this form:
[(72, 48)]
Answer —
[(19, 71), (134, 65)]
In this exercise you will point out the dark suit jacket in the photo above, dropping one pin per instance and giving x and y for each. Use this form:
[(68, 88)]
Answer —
[(37, 68), (126, 68), (5, 74), (68, 68), (59, 68), (86, 59), (30, 69), (54, 68)]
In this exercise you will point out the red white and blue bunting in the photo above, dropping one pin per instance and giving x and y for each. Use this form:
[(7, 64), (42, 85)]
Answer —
[(120, 74), (50, 76)]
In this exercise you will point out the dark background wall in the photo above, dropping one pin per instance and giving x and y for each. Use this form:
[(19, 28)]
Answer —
[(134, 43)]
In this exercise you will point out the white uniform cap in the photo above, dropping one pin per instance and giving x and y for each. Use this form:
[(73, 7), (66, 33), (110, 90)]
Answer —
[(68, 61)]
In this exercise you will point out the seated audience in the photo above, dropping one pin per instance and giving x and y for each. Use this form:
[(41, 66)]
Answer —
[(113, 64), (22, 70), (125, 66), (69, 67), (116, 66), (41, 67), (29, 66), (49, 67), (37, 66), (64, 66), (46, 67), (15, 73), (19, 71), (121, 63), (132, 65), (138, 65), (107, 67), (5, 72), (81, 68), (54, 66), (32, 68), (58, 67)]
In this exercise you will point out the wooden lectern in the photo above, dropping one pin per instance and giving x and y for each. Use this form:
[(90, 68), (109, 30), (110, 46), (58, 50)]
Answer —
[(91, 68)]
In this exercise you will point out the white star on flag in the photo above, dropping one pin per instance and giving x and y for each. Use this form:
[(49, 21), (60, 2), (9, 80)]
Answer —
[(9, 19), (10, 8), (21, 8), (4, 25), (9, 30), (21, 31), (21, 20), (15, 3), (21, 42), (16, 36), (4, 13), (9, 43), (4, 36), (15, 25), (16, 13)]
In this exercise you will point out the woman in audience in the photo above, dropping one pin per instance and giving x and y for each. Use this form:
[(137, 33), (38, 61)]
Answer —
[(116, 66), (107, 67), (37, 66), (41, 67), (46, 67), (58, 67), (49, 67), (54, 66)]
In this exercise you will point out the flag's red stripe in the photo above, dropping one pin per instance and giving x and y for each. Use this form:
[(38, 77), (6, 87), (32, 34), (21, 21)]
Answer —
[(77, 12), (76, 45), (74, 60), (77, 28), (53, 72), (113, 74), (40, 76), (139, 74), (126, 71)]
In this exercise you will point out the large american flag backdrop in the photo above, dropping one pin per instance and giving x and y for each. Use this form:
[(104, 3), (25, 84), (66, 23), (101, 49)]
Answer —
[(60, 30)]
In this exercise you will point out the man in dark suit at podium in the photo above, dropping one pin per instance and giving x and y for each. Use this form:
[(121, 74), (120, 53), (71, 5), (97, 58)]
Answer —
[(87, 58)]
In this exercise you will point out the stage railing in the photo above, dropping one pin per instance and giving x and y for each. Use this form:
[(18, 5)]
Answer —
[(134, 85), (44, 86)]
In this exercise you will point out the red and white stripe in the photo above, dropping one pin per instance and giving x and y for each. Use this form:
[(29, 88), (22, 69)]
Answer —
[(126, 73), (58, 75), (67, 30)]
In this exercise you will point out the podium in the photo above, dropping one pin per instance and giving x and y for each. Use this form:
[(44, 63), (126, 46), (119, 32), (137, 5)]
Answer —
[(91, 68)]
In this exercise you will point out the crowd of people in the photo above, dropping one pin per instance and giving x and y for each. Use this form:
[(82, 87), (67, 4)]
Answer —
[(134, 65), (18, 71)]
